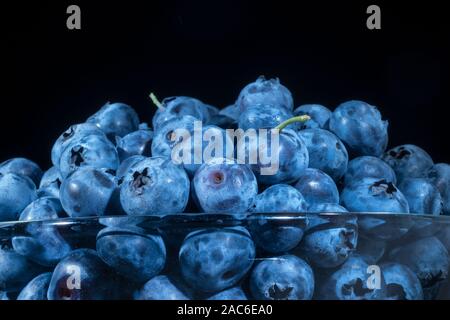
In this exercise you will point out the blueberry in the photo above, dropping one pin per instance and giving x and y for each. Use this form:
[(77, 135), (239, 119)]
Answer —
[(423, 197), (354, 280), (160, 288), (231, 111), (282, 278), (427, 258), (222, 186), (273, 235), (135, 143), (368, 167), (15, 270), (127, 164), (408, 161), (115, 119), (234, 293), (37, 288), (317, 187), (74, 133), (132, 252), (81, 275), (401, 282), (154, 186), (215, 259), (360, 126), (284, 164), (22, 166), (320, 116), (50, 183), (43, 242), (16, 192), (326, 152), (89, 192), (263, 116), (264, 91), (373, 195), (371, 250), (439, 175), (327, 208), (93, 150)]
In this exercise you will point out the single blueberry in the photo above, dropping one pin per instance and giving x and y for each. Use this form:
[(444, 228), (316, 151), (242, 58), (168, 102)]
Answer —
[(264, 91), (408, 161), (320, 116), (401, 282), (24, 167), (16, 192), (93, 151), (215, 259), (50, 183), (160, 288), (282, 278), (154, 186), (135, 143), (368, 167), (115, 119), (360, 126), (223, 186), (423, 197), (439, 175), (317, 187), (234, 293), (326, 152), (132, 252), (89, 192), (37, 288)]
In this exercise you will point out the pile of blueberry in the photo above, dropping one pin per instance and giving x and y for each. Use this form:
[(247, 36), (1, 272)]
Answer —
[(282, 244)]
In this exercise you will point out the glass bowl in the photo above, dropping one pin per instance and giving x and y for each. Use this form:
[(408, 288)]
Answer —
[(337, 256)]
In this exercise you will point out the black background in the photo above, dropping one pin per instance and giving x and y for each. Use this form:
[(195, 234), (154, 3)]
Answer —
[(321, 50)]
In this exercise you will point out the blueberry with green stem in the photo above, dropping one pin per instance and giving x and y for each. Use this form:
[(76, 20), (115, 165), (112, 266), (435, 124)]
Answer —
[(320, 116)]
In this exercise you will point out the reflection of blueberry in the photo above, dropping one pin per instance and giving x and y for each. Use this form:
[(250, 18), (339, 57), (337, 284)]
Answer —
[(282, 278), (212, 260), (368, 167), (317, 187), (423, 197), (23, 167), (234, 293), (401, 282), (439, 175), (319, 115), (16, 192), (37, 288), (159, 288)]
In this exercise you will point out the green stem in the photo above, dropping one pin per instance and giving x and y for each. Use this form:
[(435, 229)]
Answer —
[(284, 124), (156, 101)]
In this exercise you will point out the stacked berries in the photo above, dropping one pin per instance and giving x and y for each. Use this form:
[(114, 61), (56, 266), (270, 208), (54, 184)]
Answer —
[(304, 230)]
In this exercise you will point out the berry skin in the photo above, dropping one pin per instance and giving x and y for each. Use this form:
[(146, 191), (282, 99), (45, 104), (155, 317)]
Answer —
[(439, 175), (263, 116), (93, 151), (272, 235), (327, 207), (89, 192), (222, 186), (408, 161), (326, 152), (16, 192), (359, 125), (350, 282), (320, 116), (282, 278), (131, 252), (423, 197), (50, 183), (317, 187), (234, 293), (115, 119), (212, 260), (74, 133), (23, 167), (127, 164), (427, 258), (401, 282), (371, 250), (42, 242), (160, 288), (135, 143), (373, 195), (231, 112), (264, 91), (154, 186), (37, 288), (286, 163), (368, 167)]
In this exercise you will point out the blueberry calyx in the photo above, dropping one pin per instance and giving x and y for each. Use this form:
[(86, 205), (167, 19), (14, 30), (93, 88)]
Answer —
[(432, 279), (69, 133), (382, 186), (395, 291), (277, 293), (76, 156), (140, 179), (402, 153), (355, 288)]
